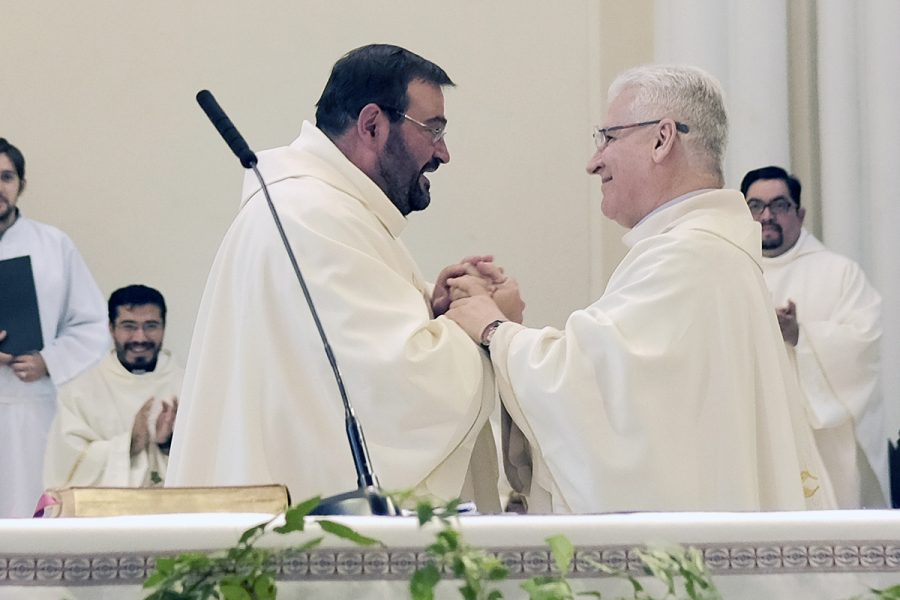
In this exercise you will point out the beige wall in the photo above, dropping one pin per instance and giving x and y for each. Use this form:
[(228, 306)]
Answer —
[(100, 98), (99, 95)]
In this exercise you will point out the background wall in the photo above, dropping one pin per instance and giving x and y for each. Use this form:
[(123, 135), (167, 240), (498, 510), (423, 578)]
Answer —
[(99, 96)]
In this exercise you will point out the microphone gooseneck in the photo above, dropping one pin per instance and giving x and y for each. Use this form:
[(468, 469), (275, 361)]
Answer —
[(367, 499)]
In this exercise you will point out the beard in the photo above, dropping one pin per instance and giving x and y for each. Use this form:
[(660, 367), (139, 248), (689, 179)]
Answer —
[(773, 243), (6, 209), (402, 177), (140, 363)]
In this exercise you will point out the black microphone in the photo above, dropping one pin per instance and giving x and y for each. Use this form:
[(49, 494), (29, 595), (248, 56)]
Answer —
[(226, 128), (367, 499)]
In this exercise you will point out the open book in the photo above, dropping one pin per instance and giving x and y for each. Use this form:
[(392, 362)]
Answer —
[(108, 502)]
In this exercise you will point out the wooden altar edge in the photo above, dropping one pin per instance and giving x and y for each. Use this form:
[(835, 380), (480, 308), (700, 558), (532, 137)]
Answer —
[(386, 564)]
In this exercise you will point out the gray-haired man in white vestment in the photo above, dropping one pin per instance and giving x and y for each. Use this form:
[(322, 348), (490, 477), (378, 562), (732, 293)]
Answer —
[(669, 392)]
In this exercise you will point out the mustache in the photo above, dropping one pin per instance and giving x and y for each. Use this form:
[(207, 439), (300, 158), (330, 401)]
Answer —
[(140, 346), (431, 166)]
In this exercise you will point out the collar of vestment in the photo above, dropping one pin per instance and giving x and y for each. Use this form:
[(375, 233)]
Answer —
[(312, 154), (807, 243), (164, 364), (722, 213)]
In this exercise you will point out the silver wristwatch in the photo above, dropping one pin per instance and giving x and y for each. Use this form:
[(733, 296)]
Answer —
[(488, 333)]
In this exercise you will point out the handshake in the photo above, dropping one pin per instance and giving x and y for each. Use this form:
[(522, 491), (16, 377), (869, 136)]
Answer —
[(475, 292)]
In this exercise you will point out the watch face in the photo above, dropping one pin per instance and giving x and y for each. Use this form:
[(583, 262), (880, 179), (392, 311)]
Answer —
[(488, 333)]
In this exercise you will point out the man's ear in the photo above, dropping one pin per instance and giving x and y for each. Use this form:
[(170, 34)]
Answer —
[(801, 212), (21, 186), (371, 125), (665, 139)]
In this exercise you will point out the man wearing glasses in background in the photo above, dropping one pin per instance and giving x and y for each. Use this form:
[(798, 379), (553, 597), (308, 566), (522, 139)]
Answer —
[(670, 392), (114, 423), (830, 320)]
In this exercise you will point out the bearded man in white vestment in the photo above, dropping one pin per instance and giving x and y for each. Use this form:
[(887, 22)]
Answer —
[(113, 427), (75, 337), (260, 404), (830, 319), (669, 392)]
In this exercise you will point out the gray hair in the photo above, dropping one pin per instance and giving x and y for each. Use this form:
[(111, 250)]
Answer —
[(686, 94)]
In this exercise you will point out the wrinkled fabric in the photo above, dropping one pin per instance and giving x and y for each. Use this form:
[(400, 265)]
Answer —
[(89, 443), (670, 392), (73, 325), (837, 361), (260, 403)]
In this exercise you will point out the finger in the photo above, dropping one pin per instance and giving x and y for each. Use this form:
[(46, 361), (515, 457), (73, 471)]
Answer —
[(474, 260), (469, 284), (492, 272)]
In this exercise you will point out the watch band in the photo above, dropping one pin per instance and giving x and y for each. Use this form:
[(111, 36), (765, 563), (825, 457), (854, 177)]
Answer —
[(487, 333)]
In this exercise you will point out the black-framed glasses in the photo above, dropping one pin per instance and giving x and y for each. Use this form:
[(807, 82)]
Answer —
[(602, 137), (778, 206), (437, 133), (148, 327)]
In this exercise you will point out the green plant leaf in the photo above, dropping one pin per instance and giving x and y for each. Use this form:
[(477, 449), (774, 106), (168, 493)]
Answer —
[(249, 536), (548, 587), (342, 531), (231, 591), (563, 552), (264, 587), (423, 582), (295, 516), (424, 512)]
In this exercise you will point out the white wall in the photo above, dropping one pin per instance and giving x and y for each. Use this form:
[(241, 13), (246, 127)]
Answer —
[(99, 95)]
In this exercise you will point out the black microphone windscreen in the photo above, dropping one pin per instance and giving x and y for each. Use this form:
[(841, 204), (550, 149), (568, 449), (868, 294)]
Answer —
[(226, 128)]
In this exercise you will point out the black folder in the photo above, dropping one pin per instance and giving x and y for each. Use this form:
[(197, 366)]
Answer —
[(19, 314)]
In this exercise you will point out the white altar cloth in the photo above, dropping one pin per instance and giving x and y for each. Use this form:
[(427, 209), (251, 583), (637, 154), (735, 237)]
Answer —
[(829, 555)]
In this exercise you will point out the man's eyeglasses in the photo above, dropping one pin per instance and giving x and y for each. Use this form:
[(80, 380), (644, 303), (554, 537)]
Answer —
[(437, 133), (148, 327), (602, 137), (778, 206)]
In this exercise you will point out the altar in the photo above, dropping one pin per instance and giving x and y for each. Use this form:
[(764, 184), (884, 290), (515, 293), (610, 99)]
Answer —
[(828, 555)]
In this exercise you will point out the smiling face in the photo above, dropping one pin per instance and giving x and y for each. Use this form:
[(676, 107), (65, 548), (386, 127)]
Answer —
[(623, 164), (779, 231), (410, 151), (138, 335), (10, 188)]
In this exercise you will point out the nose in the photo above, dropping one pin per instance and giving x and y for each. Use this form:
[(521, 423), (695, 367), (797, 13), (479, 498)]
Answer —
[(441, 152), (595, 163), (139, 335)]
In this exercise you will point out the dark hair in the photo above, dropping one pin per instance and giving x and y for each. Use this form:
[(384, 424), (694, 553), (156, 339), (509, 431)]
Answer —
[(377, 73), (135, 295), (772, 172), (15, 156)]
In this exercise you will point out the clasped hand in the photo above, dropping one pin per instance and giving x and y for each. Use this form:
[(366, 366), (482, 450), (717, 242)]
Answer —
[(475, 292)]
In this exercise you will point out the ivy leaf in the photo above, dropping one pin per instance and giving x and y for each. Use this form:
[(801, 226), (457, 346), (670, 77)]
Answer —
[(252, 533), (344, 532), (563, 552), (547, 587), (295, 516), (233, 591), (165, 566), (423, 582), (155, 578), (424, 512), (264, 587)]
